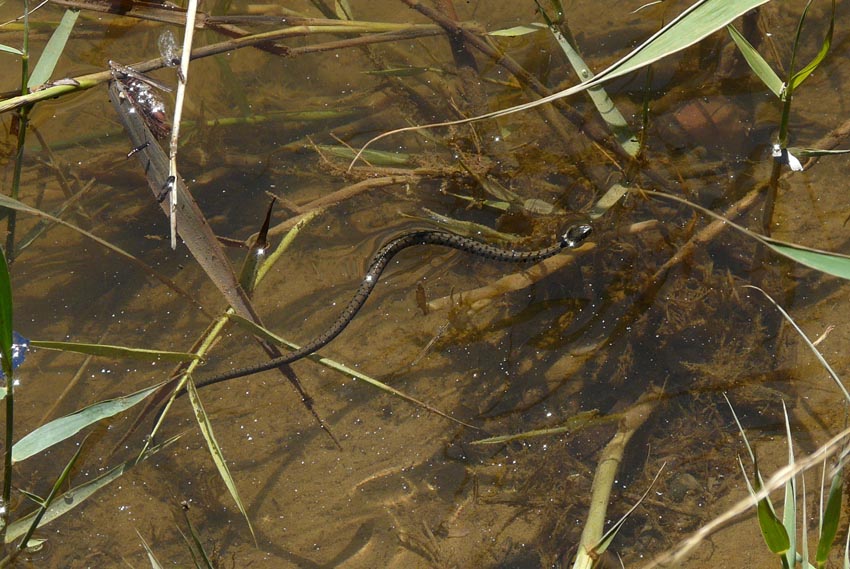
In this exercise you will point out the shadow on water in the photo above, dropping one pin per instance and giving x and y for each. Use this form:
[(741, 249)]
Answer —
[(605, 330)]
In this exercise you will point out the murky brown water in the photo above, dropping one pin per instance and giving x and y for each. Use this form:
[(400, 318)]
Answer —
[(408, 488)]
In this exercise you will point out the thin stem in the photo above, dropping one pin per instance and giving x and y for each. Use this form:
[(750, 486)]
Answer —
[(23, 115), (10, 393), (7, 459)]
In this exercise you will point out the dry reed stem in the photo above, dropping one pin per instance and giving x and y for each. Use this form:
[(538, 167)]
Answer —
[(478, 297), (608, 466)]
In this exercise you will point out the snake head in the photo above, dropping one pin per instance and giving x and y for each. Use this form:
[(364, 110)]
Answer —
[(575, 234)]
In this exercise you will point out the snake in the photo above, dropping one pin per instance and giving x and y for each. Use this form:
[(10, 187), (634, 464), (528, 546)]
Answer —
[(572, 237)]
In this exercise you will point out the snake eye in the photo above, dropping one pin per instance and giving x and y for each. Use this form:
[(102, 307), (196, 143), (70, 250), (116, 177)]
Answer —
[(576, 234)]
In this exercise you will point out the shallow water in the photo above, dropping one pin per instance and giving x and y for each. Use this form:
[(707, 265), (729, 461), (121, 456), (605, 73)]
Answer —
[(408, 487)]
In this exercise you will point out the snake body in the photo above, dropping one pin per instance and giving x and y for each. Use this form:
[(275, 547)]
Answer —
[(571, 238)]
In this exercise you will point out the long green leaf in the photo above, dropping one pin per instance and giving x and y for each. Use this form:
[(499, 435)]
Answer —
[(76, 496), (789, 508), (809, 343), (517, 31), (699, 21), (49, 500), (64, 427), (834, 264), (196, 541), (756, 62), (798, 78), (806, 152), (831, 263), (772, 530), (215, 452), (831, 517), (53, 50), (121, 352), (10, 49), (155, 564)]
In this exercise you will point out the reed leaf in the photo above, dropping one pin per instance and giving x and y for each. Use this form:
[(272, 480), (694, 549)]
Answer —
[(834, 264), (196, 541), (808, 152), (76, 496), (518, 31), (215, 451), (772, 530), (803, 74), (120, 352), (757, 63), (155, 564), (53, 50), (66, 427), (831, 517), (54, 491)]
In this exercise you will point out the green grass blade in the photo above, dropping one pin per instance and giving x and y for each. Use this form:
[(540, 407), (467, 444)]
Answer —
[(789, 508), (606, 540), (831, 517), (800, 76), (76, 496), (830, 263), (743, 436), (772, 530), (215, 452), (66, 472), (53, 50), (9, 49), (803, 554), (517, 31), (256, 254), (834, 264), (119, 352), (155, 564), (757, 63), (808, 342), (65, 427), (196, 540), (699, 21), (807, 152)]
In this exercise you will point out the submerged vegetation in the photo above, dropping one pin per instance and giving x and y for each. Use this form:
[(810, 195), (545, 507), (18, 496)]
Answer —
[(472, 414)]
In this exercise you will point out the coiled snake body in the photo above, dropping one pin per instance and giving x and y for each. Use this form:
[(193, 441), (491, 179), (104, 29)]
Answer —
[(571, 238)]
